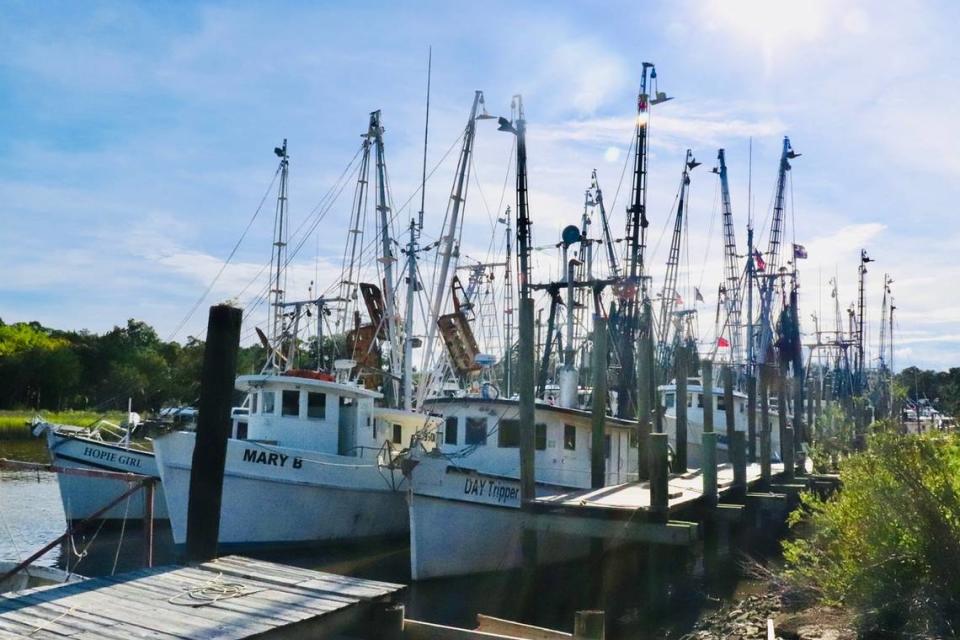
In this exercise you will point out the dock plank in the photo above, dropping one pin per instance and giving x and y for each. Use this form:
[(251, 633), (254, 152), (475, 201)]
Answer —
[(145, 604)]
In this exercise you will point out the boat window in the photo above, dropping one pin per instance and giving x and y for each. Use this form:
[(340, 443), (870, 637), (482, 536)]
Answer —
[(241, 430), (634, 439), (700, 400), (569, 437), (268, 402), (606, 446), (541, 436), (253, 403), (450, 437), (721, 403), (689, 399), (291, 403), (397, 434), (316, 405), (741, 407), (508, 433), (668, 402), (476, 431)]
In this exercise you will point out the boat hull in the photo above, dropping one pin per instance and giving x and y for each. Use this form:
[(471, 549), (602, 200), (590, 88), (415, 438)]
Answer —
[(465, 522), (278, 496), (83, 496)]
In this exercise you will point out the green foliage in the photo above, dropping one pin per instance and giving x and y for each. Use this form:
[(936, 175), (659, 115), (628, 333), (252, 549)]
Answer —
[(888, 543), (832, 438), (42, 368), (13, 424), (941, 387)]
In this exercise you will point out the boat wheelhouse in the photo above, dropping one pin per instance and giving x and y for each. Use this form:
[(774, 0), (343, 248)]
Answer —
[(314, 460)]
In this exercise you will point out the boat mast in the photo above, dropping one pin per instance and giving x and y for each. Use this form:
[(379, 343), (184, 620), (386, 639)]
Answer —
[(730, 253), (411, 252), (386, 242), (772, 267), (861, 353), (278, 264), (612, 262), (348, 285), (508, 305), (668, 298)]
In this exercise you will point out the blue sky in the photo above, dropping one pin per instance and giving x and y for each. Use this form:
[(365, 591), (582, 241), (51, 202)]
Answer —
[(136, 138)]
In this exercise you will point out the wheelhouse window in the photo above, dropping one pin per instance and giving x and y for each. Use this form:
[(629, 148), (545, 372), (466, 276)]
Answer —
[(269, 399), (606, 446), (721, 403), (476, 431), (291, 403), (569, 437), (241, 430), (253, 403), (540, 437), (634, 440), (669, 400), (700, 400), (397, 434), (450, 431), (316, 405), (508, 433), (689, 399)]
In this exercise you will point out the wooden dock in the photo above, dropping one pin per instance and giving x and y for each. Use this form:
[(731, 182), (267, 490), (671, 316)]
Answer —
[(227, 598)]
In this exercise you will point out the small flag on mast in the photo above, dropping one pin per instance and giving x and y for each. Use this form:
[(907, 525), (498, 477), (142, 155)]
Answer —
[(799, 252), (758, 259), (722, 342), (697, 295)]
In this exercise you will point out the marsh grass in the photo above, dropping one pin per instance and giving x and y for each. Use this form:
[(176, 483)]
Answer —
[(13, 424)]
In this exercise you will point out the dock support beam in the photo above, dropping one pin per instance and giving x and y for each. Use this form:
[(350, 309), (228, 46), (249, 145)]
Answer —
[(729, 410), (598, 471), (680, 370), (213, 430), (659, 491), (738, 454), (782, 407), (706, 372), (148, 495)]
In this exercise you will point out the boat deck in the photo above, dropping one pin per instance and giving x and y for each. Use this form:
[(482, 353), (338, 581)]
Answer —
[(684, 489), (230, 597)]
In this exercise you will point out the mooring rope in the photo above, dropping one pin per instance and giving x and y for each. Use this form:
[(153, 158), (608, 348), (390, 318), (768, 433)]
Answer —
[(209, 593)]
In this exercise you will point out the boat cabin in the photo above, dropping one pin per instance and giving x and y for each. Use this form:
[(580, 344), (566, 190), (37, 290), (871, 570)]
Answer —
[(484, 434), (319, 414), (696, 397)]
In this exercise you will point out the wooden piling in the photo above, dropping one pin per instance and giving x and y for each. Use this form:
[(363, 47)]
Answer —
[(709, 468), (659, 476), (765, 425), (706, 373), (527, 408), (647, 391), (782, 421), (589, 625), (680, 370), (148, 495), (598, 471), (213, 430), (729, 409), (752, 416), (789, 466), (738, 454)]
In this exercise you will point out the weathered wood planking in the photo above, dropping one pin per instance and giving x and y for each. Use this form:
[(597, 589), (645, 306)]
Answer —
[(155, 604)]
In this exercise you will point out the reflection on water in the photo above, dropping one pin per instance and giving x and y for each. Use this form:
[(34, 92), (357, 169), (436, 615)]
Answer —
[(621, 583)]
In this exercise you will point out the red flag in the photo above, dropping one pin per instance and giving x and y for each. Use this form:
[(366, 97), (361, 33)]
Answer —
[(758, 258), (723, 342)]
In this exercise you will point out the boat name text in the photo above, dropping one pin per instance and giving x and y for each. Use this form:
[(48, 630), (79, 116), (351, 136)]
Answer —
[(490, 489), (111, 456), (272, 459)]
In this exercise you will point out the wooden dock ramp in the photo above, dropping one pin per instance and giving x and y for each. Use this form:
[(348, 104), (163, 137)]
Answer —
[(227, 598)]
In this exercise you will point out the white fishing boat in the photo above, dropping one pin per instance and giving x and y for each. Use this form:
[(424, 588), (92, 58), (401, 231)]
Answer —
[(696, 399), (465, 494), (318, 462), (107, 447)]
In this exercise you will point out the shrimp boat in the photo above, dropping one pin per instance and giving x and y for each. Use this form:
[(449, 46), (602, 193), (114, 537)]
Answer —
[(105, 446), (315, 460)]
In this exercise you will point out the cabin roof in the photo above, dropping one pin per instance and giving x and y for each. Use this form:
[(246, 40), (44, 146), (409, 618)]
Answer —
[(274, 381), (574, 416)]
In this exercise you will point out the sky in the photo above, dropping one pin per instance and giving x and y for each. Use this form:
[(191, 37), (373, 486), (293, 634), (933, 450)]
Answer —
[(136, 142)]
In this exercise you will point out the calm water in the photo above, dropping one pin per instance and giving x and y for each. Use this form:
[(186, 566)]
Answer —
[(31, 515)]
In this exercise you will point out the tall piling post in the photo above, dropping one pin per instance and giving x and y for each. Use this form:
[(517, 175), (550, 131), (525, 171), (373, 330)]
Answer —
[(647, 391), (598, 471), (708, 447), (659, 478), (789, 463), (738, 455), (751, 415), (783, 422), (729, 410), (811, 392), (765, 425), (148, 500), (527, 415), (213, 430), (680, 370)]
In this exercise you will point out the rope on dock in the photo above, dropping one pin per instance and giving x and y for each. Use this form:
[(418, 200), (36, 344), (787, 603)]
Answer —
[(210, 592)]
